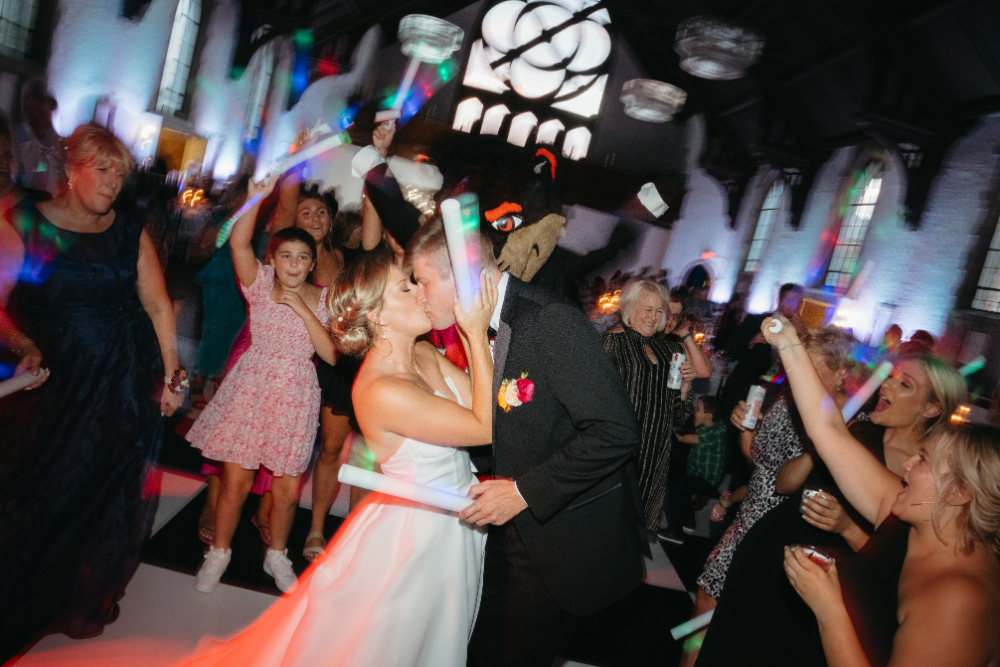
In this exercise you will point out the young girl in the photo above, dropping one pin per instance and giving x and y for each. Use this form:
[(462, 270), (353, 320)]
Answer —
[(266, 411)]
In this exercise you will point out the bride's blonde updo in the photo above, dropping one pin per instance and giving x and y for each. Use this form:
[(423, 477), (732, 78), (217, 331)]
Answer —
[(358, 290)]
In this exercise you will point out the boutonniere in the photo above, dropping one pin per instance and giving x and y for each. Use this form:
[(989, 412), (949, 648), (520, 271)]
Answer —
[(515, 392)]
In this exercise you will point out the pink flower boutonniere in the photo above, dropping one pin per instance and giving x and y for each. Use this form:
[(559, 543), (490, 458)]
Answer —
[(515, 392)]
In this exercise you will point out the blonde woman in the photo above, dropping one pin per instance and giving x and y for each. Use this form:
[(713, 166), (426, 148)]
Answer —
[(947, 605), (91, 306), (400, 583)]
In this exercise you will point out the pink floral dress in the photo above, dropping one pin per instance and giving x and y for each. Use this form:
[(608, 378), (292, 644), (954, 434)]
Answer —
[(266, 411)]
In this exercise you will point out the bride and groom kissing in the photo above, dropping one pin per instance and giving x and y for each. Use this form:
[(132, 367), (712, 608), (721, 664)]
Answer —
[(553, 534)]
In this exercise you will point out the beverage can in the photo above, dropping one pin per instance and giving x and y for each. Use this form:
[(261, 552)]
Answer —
[(674, 377), (755, 399)]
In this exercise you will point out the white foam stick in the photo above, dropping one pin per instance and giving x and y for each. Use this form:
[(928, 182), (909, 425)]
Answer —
[(19, 382), (775, 326), (373, 481), (299, 157), (695, 624), (855, 402), (466, 275)]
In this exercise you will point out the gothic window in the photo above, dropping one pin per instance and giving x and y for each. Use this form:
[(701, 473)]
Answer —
[(260, 68), (988, 288), (180, 53), (765, 222), (853, 228), (17, 27)]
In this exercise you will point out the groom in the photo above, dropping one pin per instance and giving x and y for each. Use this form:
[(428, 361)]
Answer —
[(565, 536)]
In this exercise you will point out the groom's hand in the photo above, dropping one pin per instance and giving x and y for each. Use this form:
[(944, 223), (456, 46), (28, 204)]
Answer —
[(496, 502)]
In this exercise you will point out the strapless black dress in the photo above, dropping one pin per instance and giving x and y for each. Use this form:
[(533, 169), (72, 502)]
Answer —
[(74, 453)]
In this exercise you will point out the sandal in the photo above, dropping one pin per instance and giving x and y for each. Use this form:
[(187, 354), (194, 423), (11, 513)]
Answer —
[(206, 534), (265, 530), (312, 552)]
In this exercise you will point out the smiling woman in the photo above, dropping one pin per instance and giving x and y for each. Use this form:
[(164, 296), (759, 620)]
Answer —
[(90, 305), (643, 360)]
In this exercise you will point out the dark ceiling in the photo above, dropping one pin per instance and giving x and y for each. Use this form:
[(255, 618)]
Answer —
[(910, 73)]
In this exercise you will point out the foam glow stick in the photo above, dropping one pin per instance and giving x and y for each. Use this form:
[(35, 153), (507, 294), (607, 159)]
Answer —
[(19, 382), (461, 228), (973, 366), (287, 163), (418, 493), (855, 402), (695, 624)]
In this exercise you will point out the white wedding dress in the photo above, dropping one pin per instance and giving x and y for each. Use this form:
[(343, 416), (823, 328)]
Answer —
[(399, 584)]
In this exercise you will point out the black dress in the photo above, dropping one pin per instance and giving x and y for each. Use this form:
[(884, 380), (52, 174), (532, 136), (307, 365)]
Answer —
[(74, 453), (762, 621), (658, 409)]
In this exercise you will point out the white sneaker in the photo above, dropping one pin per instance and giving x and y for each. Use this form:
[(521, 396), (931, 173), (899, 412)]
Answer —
[(277, 565), (216, 562)]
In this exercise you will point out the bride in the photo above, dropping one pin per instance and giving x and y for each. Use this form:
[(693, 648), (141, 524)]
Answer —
[(400, 582)]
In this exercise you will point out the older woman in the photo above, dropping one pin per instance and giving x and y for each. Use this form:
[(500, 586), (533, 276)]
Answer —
[(643, 360), (946, 607), (91, 306)]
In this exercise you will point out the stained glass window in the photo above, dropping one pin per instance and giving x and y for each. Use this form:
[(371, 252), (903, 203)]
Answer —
[(847, 252)]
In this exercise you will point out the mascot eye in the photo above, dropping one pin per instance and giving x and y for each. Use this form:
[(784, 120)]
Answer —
[(507, 223)]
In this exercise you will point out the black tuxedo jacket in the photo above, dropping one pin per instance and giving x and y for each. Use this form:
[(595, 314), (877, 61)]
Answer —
[(570, 451)]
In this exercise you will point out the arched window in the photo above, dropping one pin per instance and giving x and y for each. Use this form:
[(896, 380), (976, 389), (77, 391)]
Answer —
[(988, 288), (853, 228), (260, 68), (17, 27), (180, 53), (765, 222)]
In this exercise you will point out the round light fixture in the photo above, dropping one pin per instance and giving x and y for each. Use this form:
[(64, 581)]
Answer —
[(652, 101), (717, 48), (428, 38)]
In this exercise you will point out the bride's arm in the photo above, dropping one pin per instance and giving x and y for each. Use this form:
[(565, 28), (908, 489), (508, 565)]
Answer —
[(401, 407)]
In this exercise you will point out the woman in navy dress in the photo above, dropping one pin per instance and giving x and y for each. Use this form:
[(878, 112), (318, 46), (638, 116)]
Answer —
[(90, 306)]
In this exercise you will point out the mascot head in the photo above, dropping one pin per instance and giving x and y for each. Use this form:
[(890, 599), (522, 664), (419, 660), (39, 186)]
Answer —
[(518, 189)]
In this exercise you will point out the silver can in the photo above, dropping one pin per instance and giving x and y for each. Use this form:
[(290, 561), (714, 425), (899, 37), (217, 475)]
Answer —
[(674, 377), (755, 399)]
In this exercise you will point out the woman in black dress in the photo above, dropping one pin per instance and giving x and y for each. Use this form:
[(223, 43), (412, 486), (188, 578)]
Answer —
[(643, 360), (91, 306)]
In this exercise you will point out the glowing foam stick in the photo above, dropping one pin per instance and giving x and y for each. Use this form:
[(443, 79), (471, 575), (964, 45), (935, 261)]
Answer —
[(855, 402), (418, 493), (461, 228), (19, 382), (973, 366), (227, 226), (289, 162), (301, 156), (695, 624)]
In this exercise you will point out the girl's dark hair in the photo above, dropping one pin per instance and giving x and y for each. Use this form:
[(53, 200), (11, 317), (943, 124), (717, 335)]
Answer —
[(343, 226), (291, 234)]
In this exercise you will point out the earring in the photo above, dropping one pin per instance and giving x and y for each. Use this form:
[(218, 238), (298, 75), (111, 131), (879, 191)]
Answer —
[(71, 185), (385, 326)]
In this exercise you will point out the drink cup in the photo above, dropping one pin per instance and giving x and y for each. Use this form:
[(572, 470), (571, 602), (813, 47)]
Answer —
[(815, 554), (755, 399), (674, 377)]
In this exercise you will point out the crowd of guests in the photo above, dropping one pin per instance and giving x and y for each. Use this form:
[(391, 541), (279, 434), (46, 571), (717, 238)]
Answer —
[(894, 515)]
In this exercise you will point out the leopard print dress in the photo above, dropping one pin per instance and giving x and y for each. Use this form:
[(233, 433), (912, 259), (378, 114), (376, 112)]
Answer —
[(776, 441)]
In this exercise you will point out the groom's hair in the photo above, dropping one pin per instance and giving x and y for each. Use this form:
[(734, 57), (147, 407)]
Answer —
[(431, 242)]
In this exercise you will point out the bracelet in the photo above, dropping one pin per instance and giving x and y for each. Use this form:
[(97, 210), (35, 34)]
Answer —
[(788, 347), (178, 382), (685, 336)]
